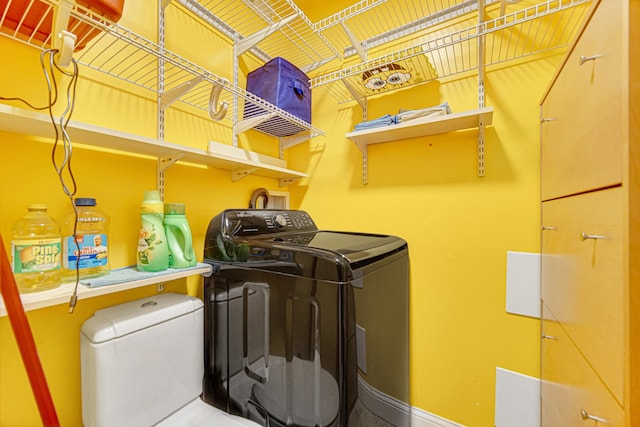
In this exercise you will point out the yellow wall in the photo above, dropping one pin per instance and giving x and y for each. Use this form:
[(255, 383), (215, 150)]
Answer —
[(426, 190), (459, 227)]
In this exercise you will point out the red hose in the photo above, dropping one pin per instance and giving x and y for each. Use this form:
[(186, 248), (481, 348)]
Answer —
[(26, 344)]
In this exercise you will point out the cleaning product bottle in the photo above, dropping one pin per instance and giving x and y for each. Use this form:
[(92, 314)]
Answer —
[(153, 252), (176, 226), (91, 253), (35, 250)]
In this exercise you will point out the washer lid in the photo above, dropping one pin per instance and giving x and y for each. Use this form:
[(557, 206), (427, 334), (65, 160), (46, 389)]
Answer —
[(119, 320), (356, 247)]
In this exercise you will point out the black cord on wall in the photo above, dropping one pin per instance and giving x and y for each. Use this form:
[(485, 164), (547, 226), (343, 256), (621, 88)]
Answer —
[(62, 141)]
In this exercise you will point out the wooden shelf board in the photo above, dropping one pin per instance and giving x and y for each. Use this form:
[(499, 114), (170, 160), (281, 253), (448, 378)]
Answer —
[(62, 294), (423, 127), (21, 121)]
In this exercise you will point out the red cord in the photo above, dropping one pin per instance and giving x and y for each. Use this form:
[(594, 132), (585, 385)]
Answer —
[(26, 344)]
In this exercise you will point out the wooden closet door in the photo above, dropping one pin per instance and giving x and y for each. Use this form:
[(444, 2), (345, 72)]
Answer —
[(582, 114)]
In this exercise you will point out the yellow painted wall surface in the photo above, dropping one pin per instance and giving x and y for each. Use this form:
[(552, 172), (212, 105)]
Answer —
[(459, 226)]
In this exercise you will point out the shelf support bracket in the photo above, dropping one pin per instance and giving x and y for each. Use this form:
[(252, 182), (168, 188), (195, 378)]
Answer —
[(481, 101), (357, 45), (165, 163), (171, 96), (317, 64), (360, 99), (251, 122), (286, 181), (365, 154), (250, 41), (237, 175), (293, 140)]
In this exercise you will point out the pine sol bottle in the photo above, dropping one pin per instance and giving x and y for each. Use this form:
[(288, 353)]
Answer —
[(36, 250)]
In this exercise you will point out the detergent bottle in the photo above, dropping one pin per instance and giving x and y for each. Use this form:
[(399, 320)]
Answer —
[(179, 239), (36, 250), (153, 251), (88, 251)]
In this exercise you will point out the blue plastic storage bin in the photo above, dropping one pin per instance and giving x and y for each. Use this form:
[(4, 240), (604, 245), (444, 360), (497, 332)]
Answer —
[(284, 85)]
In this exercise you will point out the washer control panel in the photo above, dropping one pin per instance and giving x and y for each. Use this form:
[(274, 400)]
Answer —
[(252, 222)]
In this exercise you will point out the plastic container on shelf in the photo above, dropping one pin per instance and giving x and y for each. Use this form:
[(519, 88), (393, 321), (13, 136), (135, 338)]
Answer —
[(179, 240), (36, 250), (34, 19), (153, 252), (88, 253)]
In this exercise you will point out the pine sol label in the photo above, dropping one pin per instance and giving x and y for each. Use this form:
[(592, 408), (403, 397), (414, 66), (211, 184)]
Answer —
[(91, 251), (35, 256)]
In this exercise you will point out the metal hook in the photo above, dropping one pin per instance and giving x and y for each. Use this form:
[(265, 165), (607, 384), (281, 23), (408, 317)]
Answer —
[(214, 113), (584, 58)]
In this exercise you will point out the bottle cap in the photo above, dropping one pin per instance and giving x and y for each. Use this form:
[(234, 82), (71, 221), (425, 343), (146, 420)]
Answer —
[(174, 209), (152, 202), (37, 207), (85, 201), (152, 196)]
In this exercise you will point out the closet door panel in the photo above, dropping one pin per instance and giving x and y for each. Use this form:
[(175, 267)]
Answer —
[(582, 276), (582, 115), (570, 386)]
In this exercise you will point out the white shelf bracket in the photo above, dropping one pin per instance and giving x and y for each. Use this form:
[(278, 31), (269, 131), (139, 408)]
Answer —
[(365, 154), (292, 141), (287, 181), (250, 41), (171, 96), (317, 64), (357, 45), (163, 164), (251, 122), (481, 100), (237, 175), (481, 149), (361, 100)]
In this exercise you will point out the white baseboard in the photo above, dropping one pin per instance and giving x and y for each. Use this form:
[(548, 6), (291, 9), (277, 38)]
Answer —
[(395, 411), (420, 418)]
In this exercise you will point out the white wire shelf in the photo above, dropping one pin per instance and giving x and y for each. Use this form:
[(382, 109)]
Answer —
[(267, 28), (399, 32), (369, 24), (130, 57), (534, 29)]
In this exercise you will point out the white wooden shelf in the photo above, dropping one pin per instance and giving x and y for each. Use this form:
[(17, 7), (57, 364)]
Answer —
[(423, 127), (131, 279), (26, 122), (472, 119)]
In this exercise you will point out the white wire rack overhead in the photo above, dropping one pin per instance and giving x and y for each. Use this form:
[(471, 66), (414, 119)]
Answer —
[(374, 46), (529, 30), (267, 28), (130, 57), (371, 23)]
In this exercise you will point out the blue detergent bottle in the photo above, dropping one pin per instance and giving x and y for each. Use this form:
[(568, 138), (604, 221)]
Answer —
[(153, 251), (176, 226)]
